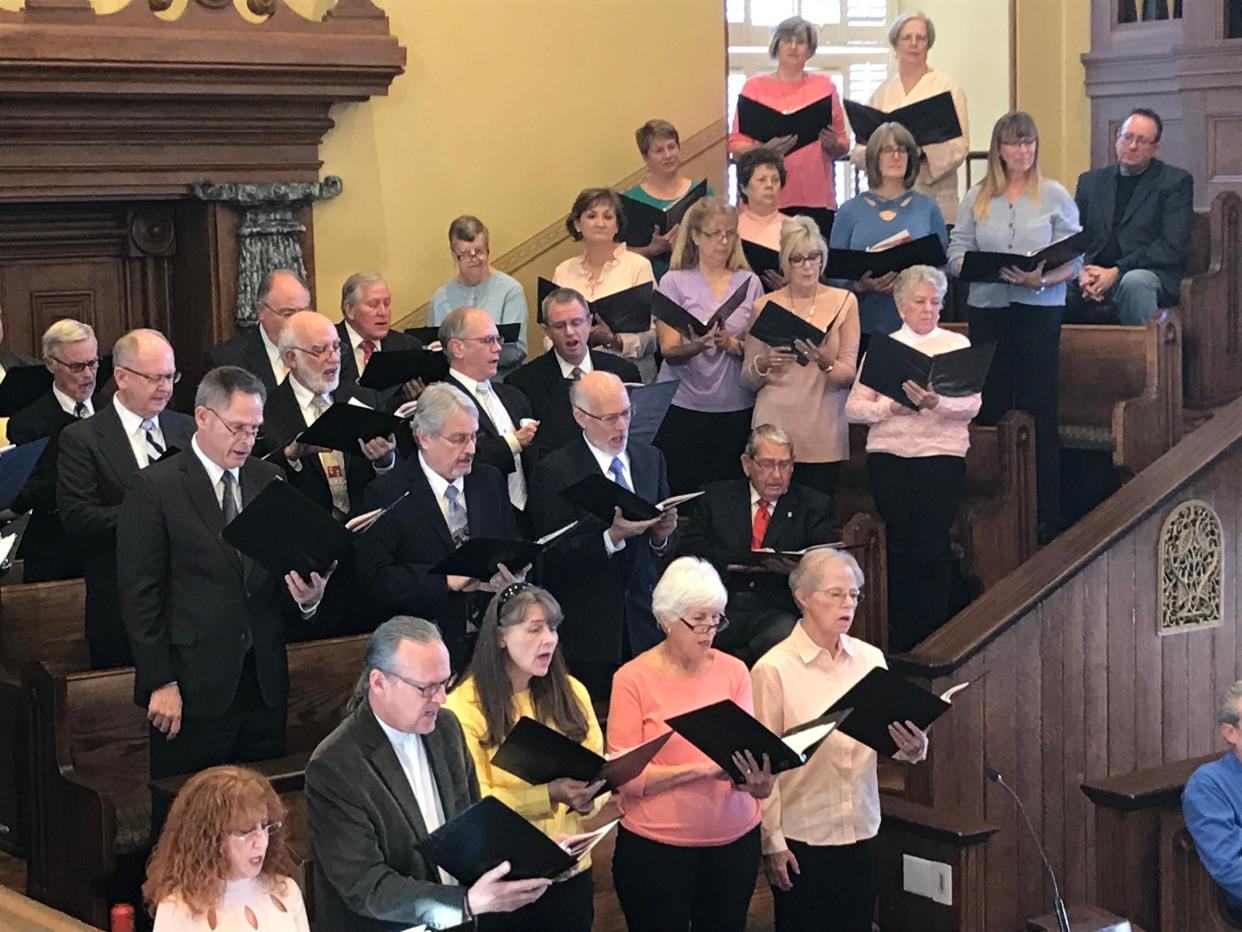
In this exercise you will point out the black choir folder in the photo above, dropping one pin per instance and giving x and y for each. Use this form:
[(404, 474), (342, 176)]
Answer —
[(890, 362), (428, 335), (761, 259), (761, 122), (986, 266), (598, 495), (723, 728), (853, 264), (648, 405), (626, 311), (489, 832), (538, 754), (670, 312), (480, 557), (881, 698), (779, 327), (641, 219), (929, 121), (282, 530), (396, 367), (343, 425)]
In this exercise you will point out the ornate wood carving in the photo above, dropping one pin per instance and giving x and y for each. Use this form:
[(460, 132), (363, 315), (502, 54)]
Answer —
[(129, 104), (1191, 551)]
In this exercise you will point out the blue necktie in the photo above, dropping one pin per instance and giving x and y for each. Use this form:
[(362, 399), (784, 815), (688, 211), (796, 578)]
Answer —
[(618, 473)]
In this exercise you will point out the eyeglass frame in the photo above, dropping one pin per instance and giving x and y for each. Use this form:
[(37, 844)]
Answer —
[(612, 420), (473, 255), (318, 354), (700, 627), (723, 236), (264, 828), (815, 256), (422, 688), (172, 378), (77, 368), (773, 465), (464, 441), (283, 312), (856, 594), (1135, 137), (255, 431)]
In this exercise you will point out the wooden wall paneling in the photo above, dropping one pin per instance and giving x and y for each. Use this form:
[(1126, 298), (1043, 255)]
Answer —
[(1028, 777), (1071, 664), (1121, 653), (1175, 689), (1092, 589), (1001, 753), (1051, 764), (1149, 698)]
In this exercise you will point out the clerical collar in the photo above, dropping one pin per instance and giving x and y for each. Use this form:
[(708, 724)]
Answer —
[(1133, 173)]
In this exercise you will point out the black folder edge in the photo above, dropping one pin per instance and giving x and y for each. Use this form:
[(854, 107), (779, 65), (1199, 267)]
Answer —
[(925, 250), (686, 323), (892, 686), (745, 104), (642, 218), (649, 405), (457, 562), (641, 294), (333, 533), (986, 266), (780, 755), (864, 123), (448, 844), (761, 259), (309, 435), (427, 335), (615, 772), (761, 331), (633, 507), (425, 364), (22, 386), (17, 530), (16, 465), (921, 368)]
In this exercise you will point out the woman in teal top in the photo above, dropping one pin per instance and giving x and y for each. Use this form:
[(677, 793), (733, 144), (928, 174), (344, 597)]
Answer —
[(660, 147)]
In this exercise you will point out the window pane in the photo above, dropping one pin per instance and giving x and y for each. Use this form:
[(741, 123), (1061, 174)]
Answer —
[(866, 12), (865, 77), (735, 11), (770, 12), (822, 12)]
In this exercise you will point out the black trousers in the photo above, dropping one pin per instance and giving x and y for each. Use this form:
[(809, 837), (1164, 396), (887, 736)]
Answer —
[(1024, 376), (834, 890), (568, 906), (822, 477), (701, 447), (668, 888), (917, 497)]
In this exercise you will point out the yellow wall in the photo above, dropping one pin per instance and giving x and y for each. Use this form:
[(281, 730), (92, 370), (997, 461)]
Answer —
[(1052, 34), (507, 109)]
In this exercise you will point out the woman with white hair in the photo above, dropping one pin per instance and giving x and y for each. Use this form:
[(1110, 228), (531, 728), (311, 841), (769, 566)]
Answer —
[(807, 401), (809, 182), (688, 846), (917, 461), (820, 821), (912, 35)]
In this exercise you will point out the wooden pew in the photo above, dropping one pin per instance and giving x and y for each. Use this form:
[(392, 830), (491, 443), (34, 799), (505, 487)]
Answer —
[(1189, 898), (996, 523), (89, 764), (1210, 305), (38, 621)]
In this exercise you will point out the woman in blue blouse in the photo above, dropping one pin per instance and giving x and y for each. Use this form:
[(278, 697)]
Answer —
[(1016, 210), (887, 209)]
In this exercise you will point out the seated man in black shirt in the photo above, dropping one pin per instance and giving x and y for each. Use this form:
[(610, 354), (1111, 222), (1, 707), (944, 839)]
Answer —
[(735, 519)]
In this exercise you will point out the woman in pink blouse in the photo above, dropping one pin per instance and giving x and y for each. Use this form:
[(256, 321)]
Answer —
[(605, 267), (687, 850), (916, 457), (790, 88)]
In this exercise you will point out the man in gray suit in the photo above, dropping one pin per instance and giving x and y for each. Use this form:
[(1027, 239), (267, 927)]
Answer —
[(391, 773)]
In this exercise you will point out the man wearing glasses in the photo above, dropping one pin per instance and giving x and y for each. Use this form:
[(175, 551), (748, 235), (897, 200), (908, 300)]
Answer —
[(71, 354), (603, 575), (749, 524), (282, 294), (392, 772), (205, 626), (1138, 215), (98, 458)]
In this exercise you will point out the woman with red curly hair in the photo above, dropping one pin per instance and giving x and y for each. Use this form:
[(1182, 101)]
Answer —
[(221, 863)]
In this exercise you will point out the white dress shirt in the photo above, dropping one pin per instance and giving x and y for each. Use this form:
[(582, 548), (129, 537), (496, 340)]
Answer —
[(490, 402), (605, 466), (274, 359), (131, 423), (567, 368), (355, 347), (835, 798), (412, 755), (215, 472), (68, 405)]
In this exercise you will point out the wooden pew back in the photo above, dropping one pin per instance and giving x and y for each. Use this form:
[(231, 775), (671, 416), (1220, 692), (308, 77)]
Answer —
[(43, 621), (1189, 898), (1210, 305)]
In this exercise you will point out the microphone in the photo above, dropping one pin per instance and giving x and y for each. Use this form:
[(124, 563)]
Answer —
[(1058, 904)]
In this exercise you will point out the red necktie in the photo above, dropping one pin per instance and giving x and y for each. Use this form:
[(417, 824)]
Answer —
[(367, 349), (760, 525)]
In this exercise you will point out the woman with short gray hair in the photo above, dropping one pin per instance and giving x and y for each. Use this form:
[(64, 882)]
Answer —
[(916, 456), (809, 183), (687, 849), (911, 35)]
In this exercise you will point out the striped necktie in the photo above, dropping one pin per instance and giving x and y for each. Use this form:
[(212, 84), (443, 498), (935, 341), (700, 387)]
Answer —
[(155, 449)]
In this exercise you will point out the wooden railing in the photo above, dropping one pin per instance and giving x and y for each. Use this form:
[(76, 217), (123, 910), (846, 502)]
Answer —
[(1069, 677)]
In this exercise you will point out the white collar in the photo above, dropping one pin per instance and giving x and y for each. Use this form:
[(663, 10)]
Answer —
[(471, 385), (755, 496), (604, 458), (808, 650), (567, 368), (356, 338), (130, 422), (68, 405), (273, 351), (303, 395), (437, 482), (214, 469), (913, 339), (397, 738)]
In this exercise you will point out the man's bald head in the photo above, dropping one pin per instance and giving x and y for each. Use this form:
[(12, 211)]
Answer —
[(145, 369), (282, 293), (602, 409), (311, 347)]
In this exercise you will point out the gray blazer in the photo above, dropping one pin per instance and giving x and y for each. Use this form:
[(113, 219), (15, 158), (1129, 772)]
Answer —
[(365, 828)]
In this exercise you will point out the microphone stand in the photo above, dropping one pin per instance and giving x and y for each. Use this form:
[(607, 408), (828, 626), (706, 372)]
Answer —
[(1058, 904)]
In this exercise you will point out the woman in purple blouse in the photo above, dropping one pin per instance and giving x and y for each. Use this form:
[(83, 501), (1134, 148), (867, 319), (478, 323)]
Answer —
[(705, 430)]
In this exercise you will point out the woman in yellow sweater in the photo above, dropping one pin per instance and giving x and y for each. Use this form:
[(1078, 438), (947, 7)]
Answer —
[(517, 670)]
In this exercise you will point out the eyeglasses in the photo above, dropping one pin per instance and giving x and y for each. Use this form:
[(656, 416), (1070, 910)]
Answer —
[(473, 255), (813, 257), (566, 324), (490, 340), (723, 235), (237, 430), (459, 440), (774, 465), (77, 367), (1131, 138), (426, 690), (612, 420), (249, 837), (892, 150), (838, 595), (283, 311), (157, 379), (707, 627), (1024, 142), (319, 351)]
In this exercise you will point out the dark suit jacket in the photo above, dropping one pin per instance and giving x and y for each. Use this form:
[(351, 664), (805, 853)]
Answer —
[(393, 557), (396, 340), (365, 828), (95, 465), (46, 550), (492, 448), (602, 596), (246, 350), (9, 360), (1155, 230), (541, 381), (282, 421), (192, 606)]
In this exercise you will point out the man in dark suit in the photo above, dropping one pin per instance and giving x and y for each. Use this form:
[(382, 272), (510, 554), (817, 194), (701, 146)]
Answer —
[(206, 625), (506, 428), (1138, 215), (602, 574), (281, 295), (736, 518), (96, 461), (71, 354), (545, 380), (451, 498), (392, 772), (366, 328)]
